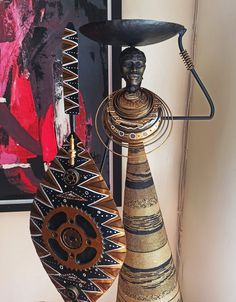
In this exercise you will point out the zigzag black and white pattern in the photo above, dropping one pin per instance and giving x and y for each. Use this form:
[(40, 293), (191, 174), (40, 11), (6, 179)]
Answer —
[(70, 66)]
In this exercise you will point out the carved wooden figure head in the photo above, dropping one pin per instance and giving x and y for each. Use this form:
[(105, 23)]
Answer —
[(132, 65)]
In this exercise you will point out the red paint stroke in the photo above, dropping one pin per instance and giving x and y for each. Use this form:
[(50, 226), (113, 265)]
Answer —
[(23, 109), (47, 136), (84, 125), (10, 50), (17, 133), (80, 128), (8, 158), (7, 24), (21, 121)]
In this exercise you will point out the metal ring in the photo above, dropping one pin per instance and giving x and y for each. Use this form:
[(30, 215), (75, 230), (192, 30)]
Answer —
[(153, 139)]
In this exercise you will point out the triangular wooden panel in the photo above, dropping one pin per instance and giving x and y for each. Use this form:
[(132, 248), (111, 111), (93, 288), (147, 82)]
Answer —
[(57, 284), (85, 154), (98, 183), (115, 255), (68, 75), (41, 252), (68, 59), (55, 164), (36, 213), (34, 229), (89, 166), (50, 270), (68, 44), (110, 271), (103, 284), (50, 181), (118, 240), (107, 207), (68, 31), (69, 90), (41, 196), (62, 152), (69, 104), (114, 223), (93, 297)]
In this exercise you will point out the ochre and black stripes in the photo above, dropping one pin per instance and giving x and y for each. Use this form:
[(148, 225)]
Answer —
[(155, 279), (143, 225), (148, 273), (138, 174), (146, 233)]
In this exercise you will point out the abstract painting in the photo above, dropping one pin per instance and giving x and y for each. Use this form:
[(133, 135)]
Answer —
[(33, 123)]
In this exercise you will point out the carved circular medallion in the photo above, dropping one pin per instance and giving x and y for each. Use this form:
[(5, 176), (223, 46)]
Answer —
[(71, 177), (133, 118), (72, 292), (72, 237)]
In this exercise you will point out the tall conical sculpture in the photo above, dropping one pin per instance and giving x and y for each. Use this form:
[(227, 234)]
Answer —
[(148, 273), (139, 120), (134, 116)]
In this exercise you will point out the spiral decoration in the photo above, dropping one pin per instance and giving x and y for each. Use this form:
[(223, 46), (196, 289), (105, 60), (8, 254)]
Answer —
[(136, 119), (187, 60)]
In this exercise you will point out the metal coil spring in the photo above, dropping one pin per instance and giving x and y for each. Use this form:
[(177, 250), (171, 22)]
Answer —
[(187, 60)]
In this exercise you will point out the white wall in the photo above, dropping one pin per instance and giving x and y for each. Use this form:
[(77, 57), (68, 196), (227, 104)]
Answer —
[(22, 278), (209, 240)]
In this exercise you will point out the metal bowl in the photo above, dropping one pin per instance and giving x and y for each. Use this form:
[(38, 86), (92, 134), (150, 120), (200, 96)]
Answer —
[(130, 32)]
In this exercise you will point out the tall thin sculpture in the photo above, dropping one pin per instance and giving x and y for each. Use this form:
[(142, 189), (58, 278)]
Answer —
[(74, 223), (140, 121), (133, 115)]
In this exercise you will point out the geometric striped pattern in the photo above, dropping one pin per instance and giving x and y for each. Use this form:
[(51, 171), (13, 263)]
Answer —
[(76, 228), (148, 273), (70, 70)]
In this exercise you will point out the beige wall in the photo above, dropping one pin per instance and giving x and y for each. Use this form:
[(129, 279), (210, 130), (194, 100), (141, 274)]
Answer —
[(209, 241), (22, 278)]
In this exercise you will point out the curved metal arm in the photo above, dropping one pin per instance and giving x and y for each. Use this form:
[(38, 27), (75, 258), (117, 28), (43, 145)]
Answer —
[(189, 66)]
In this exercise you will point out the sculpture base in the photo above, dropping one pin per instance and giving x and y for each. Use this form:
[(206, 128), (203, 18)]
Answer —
[(148, 273)]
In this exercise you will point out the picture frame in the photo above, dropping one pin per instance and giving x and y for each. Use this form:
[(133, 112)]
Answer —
[(98, 76)]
